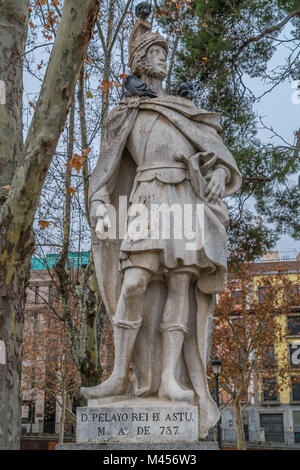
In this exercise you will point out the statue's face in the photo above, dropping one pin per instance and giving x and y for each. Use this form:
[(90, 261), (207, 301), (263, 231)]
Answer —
[(155, 62)]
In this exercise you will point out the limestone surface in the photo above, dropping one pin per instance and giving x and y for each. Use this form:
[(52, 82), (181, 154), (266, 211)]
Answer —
[(159, 246), (138, 421)]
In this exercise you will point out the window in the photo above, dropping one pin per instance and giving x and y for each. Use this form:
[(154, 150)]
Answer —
[(28, 411), (31, 412), (294, 295), (273, 426), (238, 297), (293, 325), (53, 294), (49, 414), (36, 294), (294, 352), (269, 360), (296, 416), (261, 292), (270, 392), (296, 388)]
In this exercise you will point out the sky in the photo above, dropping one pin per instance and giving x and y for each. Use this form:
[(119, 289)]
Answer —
[(279, 111)]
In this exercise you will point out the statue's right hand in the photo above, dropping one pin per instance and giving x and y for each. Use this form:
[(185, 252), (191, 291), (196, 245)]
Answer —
[(103, 222)]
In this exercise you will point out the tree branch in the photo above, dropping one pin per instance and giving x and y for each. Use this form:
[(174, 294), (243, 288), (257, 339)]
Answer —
[(119, 26), (102, 39), (265, 33), (84, 143), (297, 146)]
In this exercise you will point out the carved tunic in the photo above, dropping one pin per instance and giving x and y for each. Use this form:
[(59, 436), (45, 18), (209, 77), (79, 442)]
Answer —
[(155, 142), (155, 131)]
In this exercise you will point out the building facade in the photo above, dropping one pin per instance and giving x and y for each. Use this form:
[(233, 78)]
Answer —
[(272, 414)]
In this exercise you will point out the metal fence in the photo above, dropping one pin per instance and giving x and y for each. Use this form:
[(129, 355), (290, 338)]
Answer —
[(41, 427), (260, 436)]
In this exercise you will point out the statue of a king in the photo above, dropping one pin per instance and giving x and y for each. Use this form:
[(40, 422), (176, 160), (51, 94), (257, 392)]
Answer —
[(161, 152)]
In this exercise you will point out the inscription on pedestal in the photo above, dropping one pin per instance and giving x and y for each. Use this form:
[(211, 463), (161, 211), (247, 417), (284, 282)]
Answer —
[(135, 423)]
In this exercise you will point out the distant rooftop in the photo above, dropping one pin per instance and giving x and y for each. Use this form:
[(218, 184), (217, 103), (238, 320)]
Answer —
[(279, 256), (81, 259), (75, 258)]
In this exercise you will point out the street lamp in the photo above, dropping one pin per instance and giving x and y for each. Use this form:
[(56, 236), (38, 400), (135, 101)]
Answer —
[(216, 366)]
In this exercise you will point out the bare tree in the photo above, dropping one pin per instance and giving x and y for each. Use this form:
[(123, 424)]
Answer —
[(64, 203), (247, 332), (24, 182)]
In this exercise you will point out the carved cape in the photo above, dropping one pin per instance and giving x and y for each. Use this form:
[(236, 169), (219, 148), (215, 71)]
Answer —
[(113, 177)]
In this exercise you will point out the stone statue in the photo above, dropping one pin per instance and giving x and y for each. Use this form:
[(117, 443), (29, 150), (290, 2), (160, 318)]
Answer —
[(159, 291)]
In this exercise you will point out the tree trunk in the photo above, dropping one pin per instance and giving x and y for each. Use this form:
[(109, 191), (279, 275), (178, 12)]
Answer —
[(239, 429), (62, 416), (84, 143), (172, 61), (105, 96), (17, 212), (13, 21), (11, 331), (84, 338), (95, 316)]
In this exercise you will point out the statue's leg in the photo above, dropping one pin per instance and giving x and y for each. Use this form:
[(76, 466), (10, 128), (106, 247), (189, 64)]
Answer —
[(173, 329), (126, 325)]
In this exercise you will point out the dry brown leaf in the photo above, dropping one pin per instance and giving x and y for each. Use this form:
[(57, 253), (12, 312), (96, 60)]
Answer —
[(106, 85), (43, 224), (71, 190)]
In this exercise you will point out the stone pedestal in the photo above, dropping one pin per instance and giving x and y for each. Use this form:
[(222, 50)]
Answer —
[(137, 421)]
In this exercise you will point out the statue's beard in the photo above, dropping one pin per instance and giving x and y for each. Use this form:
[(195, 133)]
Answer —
[(153, 71)]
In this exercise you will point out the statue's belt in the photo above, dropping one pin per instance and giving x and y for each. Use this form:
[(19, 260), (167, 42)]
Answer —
[(159, 166)]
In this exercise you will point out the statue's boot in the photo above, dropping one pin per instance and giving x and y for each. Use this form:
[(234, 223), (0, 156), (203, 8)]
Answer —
[(125, 333), (172, 341)]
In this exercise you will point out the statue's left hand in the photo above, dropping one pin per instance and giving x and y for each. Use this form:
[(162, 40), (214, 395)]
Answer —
[(216, 186)]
